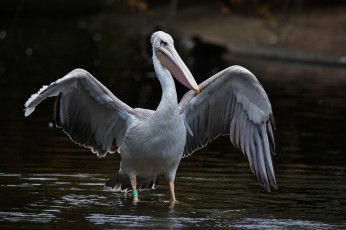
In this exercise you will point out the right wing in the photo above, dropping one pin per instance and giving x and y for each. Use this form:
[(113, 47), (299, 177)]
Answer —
[(87, 111)]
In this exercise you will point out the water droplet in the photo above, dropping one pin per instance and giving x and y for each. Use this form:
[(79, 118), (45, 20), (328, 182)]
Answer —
[(96, 62), (29, 51), (82, 25), (2, 69), (343, 59), (3, 34), (97, 37)]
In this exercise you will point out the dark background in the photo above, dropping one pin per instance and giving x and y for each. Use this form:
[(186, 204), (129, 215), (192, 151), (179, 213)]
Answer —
[(296, 49)]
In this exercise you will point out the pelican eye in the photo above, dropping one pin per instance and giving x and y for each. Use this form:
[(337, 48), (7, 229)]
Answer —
[(163, 43)]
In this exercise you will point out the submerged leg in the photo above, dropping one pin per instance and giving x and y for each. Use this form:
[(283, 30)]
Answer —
[(171, 191), (134, 189)]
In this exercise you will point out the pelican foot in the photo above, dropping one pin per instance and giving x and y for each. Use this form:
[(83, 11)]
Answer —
[(136, 200), (175, 202)]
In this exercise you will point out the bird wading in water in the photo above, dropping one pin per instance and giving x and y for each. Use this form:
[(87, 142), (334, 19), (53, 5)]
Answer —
[(152, 143)]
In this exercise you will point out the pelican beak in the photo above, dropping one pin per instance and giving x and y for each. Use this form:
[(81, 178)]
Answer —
[(171, 60)]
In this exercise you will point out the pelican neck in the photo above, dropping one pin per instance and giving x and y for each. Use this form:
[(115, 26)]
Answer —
[(169, 94)]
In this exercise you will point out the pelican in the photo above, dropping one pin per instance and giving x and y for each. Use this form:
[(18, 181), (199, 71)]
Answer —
[(152, 143)]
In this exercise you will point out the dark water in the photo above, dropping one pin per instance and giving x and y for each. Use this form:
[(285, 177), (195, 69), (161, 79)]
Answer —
[(48, 182)]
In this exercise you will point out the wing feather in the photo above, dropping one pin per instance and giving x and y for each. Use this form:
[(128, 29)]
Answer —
[(242, 131), (253, 150), (233, 102), (260, 160)]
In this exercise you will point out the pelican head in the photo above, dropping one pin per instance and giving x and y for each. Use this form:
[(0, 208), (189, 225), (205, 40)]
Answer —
[(163, 47)]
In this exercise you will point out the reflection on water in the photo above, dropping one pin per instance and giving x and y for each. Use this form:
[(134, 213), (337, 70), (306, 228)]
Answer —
[(48, 182)]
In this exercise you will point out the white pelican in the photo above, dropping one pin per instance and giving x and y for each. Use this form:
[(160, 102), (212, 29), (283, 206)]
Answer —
[(152, 143)]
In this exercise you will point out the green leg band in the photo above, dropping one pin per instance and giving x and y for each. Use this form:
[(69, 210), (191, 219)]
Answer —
[(134, 193)]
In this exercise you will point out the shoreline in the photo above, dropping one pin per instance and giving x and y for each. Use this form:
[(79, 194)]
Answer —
[(313, 37)]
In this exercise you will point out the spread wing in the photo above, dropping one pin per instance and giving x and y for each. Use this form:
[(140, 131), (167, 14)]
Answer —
[(232, 102), (87, 111)]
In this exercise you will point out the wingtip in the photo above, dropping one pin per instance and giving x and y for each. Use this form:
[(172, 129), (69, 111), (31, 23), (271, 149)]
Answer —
[(28, 104), (271, 185), (272, 121), (268, 187), (28, 111)]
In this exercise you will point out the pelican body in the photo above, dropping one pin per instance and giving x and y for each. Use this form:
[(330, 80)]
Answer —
[(152, 143)]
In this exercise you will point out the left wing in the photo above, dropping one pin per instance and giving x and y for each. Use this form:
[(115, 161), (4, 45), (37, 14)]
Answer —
[(232, 102)]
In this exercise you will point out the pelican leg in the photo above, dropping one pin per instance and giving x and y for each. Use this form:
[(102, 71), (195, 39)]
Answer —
[(134, 189), (171, 191)]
